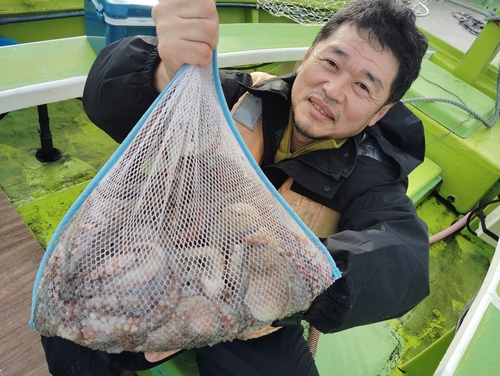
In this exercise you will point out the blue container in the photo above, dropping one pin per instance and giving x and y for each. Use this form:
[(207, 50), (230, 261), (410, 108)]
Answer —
[(7, 42), (107, 21)]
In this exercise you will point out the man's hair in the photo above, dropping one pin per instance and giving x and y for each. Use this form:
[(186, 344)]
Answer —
[(391, 24)]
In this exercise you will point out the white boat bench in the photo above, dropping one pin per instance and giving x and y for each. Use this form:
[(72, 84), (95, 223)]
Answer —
[(55, 70), (38, 73)]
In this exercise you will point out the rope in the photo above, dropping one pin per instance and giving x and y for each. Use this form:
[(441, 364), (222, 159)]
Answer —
[(465, 108), (490, 16)]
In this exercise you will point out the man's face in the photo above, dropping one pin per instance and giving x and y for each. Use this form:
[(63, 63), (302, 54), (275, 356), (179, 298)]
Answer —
[(341, 87)]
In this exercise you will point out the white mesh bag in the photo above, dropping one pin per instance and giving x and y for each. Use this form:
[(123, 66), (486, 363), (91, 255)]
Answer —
[(179, 241)]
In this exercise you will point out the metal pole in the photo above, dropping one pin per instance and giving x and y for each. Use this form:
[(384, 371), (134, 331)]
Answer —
[(47, 153)]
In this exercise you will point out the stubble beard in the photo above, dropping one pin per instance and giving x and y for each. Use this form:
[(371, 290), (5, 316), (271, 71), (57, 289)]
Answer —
[(305, 130)]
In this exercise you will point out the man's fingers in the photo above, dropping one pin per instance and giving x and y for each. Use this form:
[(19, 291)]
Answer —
[(188, 32), (157, 356)]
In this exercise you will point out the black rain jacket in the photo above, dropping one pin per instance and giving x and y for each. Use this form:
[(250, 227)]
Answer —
[(382, 247)]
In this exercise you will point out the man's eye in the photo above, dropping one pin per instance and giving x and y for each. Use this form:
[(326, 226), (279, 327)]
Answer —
[(363, 86), (332, 63)]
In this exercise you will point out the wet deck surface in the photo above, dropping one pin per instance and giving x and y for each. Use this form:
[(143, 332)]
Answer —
[(20, 351)]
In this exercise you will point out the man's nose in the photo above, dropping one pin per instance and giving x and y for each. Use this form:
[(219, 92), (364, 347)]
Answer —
[(337, 87)]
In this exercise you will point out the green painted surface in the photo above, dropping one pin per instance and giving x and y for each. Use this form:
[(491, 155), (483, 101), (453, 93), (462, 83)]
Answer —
[(470, 166), (480, 54), (43, 215), (377, 348), (457, 270), (448, 57), (435, 82), (36, 31), (182, 365), (423, 180), (426, 363), (486, 4), (56, 60), (481, 356), (43, 192), (244, 37), (366, 350), (20, 7)]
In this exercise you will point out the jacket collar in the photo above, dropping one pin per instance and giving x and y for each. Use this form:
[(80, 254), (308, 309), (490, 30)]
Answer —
[(400, 134)]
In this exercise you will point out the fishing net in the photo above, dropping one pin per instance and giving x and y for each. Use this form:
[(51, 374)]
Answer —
[(308, 12), (179, 241), (318, 12)]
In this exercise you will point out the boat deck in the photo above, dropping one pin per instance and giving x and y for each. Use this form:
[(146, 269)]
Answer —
[(20, 255), (440, 22)]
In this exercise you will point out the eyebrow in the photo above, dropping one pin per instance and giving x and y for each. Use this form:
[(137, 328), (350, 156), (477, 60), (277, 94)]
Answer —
[(340, 52)]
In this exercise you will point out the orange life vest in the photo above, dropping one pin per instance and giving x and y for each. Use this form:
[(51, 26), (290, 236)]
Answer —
[(322, 220)]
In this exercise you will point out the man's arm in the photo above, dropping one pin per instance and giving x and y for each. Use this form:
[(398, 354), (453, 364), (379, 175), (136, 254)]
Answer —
[(383, 253), (119, 88), (128, 75)]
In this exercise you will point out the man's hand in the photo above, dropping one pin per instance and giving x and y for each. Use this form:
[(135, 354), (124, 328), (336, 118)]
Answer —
[(157, 356), (188, 32)]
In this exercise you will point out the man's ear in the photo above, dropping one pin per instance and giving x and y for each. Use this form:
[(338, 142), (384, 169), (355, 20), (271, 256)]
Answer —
[(306, 56), (380, 114)]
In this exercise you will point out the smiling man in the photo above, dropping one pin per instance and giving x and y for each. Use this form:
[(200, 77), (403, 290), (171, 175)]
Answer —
[(342, 86), (334, 140)]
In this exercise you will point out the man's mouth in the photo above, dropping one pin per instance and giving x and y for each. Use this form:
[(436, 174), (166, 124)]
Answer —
[(320, 110)]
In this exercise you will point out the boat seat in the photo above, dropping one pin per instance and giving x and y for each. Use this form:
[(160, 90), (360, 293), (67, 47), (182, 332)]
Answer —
[(258, 43), (34, 74), (43, 72), (423, 180), (55, 70)]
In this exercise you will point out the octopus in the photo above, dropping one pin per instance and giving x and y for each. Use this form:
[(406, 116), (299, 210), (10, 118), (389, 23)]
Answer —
[(118, 282), (275, 289), (111, 305), (200, 272), (195, 323)]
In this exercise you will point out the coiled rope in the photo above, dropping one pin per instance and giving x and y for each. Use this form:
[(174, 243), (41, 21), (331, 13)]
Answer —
[(489, 16)]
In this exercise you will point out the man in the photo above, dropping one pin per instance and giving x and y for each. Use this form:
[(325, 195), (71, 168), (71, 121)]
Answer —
[(334, 134)]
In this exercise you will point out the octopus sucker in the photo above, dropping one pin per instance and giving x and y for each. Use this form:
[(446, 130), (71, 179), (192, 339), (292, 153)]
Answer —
[(196, 323)]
